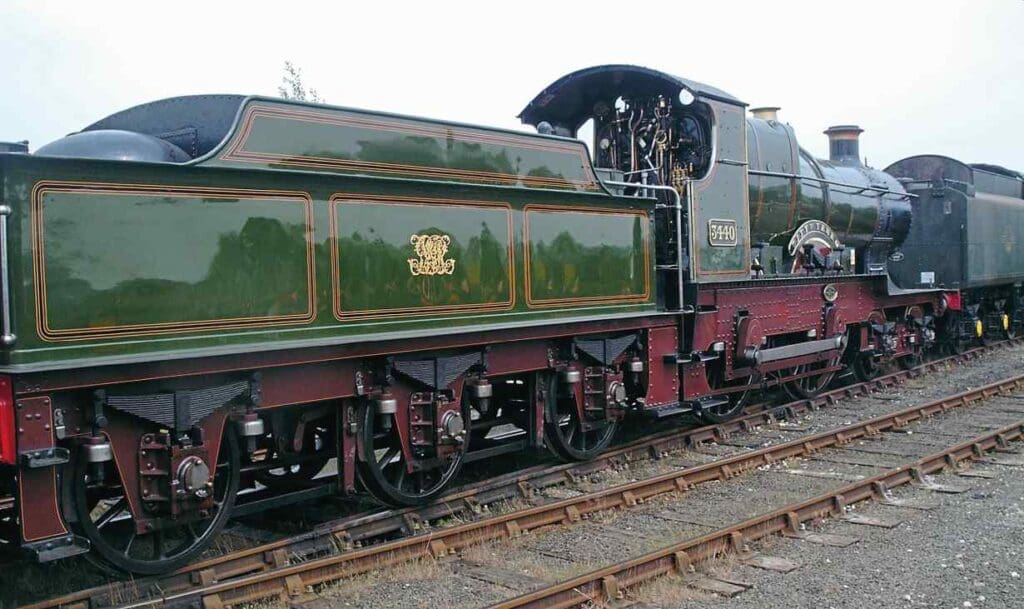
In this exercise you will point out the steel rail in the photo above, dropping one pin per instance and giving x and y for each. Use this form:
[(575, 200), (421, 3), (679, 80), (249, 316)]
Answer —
[(346, 533), (294, 579), (607, 584)]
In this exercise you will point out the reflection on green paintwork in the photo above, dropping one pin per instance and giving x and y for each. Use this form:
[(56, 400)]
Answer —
[(339, 140), (374, 249), (837, 194), (583, 256), (769, 206), (125, 260)]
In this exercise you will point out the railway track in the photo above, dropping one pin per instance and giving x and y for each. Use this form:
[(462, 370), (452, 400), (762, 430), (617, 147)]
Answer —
[(328, 552), (296, 580), (604, 586), (350, 533)]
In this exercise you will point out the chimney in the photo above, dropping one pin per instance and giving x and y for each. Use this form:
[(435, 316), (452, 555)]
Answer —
[(767, 113), (844, 144)]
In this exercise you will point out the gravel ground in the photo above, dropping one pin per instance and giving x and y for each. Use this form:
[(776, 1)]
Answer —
[(968, 552), (514, 567)]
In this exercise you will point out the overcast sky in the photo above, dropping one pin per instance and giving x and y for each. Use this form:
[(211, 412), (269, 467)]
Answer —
[(939, 76)]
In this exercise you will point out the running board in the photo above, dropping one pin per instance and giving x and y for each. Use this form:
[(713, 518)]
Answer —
[(708, 402), (687, 407), (667, 410), (56, 548)]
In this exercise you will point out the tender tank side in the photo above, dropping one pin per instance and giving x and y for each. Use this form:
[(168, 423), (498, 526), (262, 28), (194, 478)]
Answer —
[(994, 240), (964, 237)]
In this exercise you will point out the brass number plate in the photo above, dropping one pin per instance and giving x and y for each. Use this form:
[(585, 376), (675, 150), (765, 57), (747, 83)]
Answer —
[(722, 233)]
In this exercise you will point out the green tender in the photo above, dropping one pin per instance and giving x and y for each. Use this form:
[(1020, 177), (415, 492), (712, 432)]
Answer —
[(143, 262)]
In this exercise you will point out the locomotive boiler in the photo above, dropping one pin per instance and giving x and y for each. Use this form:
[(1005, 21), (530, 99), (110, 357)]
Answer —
[(866, 210), (205, 299)]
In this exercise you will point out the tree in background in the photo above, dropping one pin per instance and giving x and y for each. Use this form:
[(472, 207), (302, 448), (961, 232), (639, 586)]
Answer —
[(291, 86)]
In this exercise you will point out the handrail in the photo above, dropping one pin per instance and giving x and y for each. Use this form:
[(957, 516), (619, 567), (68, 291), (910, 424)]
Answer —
[(7, 336), (861, 187), (677, 205)]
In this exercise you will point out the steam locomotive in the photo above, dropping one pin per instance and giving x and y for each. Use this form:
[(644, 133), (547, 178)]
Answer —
[(205, 299)]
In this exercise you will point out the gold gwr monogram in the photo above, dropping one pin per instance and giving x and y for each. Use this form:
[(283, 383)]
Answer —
[(431, 250)]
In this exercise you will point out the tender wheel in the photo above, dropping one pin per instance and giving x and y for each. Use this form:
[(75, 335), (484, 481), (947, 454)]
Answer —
[(953, 341), (865, 367), (385, 473), (909, 362), (104, 517), (914, 316), (293, 476), (956, 346), (1010, 331), (562, 430), (809, 386), (735, 402)]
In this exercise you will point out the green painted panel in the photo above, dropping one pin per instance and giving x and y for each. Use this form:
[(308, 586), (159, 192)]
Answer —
[(284, 136), (724, 197), (722, 200), (580, 257), (413, 257), (995, 225), (121, 261)]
